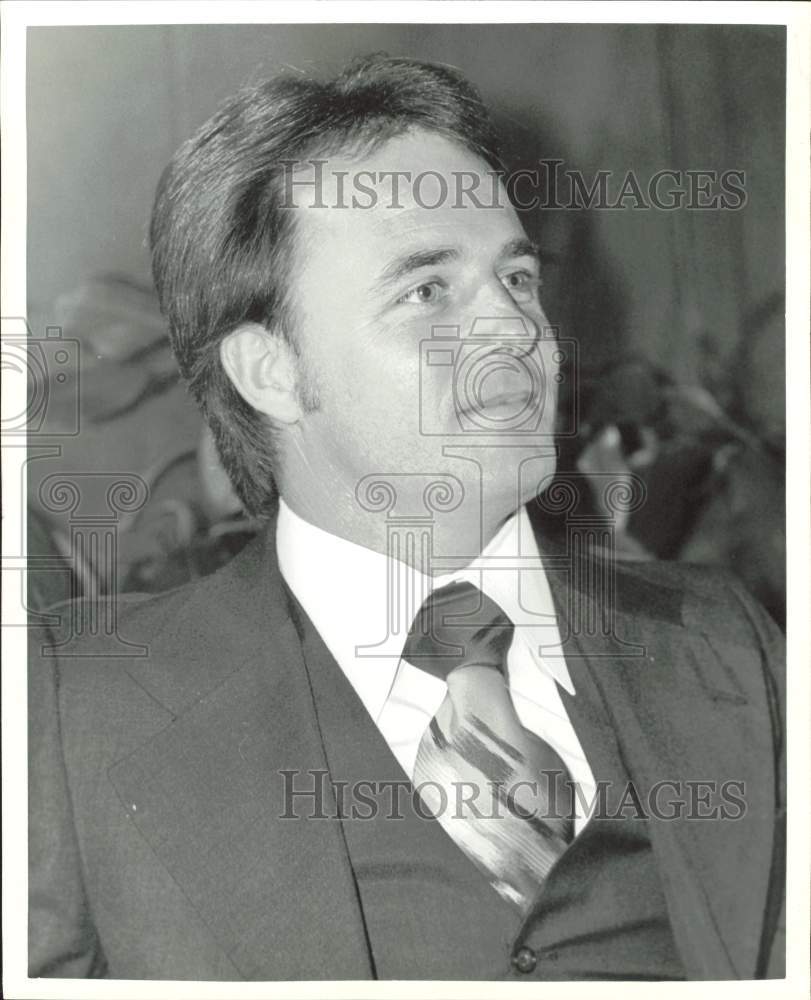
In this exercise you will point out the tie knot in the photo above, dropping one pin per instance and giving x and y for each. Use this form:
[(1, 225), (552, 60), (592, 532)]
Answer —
[(458, 626)]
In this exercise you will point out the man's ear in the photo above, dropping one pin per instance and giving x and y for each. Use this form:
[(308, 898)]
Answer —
[(262, 367)]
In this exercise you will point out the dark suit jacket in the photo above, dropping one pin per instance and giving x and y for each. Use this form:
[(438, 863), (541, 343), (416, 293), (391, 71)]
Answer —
[(157, 843)]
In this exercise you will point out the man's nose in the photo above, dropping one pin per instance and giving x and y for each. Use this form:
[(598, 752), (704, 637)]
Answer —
[(496, 316)]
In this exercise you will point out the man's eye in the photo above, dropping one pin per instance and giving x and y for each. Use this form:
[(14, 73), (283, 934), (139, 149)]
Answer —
[(428, 293), (522, 285)]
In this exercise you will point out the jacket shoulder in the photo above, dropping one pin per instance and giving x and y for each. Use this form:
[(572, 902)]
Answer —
[(174, 646)]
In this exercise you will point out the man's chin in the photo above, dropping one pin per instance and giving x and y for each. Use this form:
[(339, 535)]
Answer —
[(516, 482)]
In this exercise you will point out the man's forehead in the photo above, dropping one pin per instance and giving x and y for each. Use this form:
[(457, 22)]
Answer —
[(412, 191), (415, 155), (412, 172)]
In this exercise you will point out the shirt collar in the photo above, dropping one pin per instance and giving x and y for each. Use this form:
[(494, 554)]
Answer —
[(344, 589)]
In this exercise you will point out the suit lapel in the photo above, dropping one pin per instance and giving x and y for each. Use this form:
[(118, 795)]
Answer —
[(671, 724), (207, 793)]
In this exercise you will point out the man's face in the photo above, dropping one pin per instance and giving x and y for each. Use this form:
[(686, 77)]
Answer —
[(373, 284)]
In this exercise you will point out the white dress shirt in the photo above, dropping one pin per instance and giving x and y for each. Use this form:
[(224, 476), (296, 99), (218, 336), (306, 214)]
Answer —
[(362, 603)]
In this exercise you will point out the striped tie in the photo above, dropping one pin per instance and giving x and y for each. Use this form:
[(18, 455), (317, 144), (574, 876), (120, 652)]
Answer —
[(502, 793)]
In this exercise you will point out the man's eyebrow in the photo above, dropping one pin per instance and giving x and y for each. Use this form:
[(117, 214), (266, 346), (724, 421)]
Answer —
[(401, 267), (521, 246)]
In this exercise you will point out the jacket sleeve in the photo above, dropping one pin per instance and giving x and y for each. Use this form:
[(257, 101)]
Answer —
[(62, 941), (772, 964)]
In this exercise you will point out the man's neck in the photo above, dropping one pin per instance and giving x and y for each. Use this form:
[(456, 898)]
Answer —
[(433, 543)]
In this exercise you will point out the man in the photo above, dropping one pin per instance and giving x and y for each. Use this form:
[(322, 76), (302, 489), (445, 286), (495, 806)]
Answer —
[(406, 733)]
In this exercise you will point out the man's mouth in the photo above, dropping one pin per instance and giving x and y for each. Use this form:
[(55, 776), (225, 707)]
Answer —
[(516, 401)]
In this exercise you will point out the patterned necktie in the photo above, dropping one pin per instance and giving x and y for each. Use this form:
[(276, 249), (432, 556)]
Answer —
[(497, 789)]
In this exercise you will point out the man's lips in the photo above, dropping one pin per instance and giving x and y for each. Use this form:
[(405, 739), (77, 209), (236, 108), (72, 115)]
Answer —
[(516, 400)]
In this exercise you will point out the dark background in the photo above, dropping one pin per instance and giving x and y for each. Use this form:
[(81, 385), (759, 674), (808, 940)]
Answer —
[(679, 315)]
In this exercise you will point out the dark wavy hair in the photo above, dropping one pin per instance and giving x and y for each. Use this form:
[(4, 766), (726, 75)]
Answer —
[(220, 241)]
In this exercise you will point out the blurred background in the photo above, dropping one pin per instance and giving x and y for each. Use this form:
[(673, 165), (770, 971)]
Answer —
[(679, 315)]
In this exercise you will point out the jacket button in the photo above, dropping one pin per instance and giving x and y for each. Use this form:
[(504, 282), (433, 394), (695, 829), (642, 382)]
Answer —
[(525, 959)]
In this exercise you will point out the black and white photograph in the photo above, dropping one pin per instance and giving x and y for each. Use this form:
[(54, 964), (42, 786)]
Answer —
[(405, 467)]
